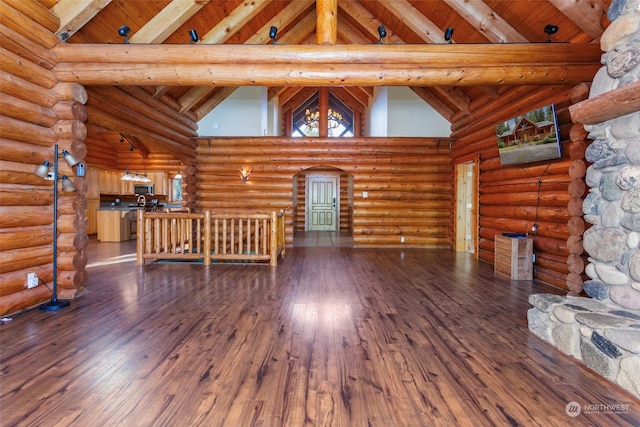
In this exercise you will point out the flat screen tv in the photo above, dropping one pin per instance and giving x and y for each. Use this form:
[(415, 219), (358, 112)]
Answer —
[(532, 137)]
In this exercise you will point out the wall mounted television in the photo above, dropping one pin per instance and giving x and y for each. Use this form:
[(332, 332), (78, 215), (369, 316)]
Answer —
[(531, 137)]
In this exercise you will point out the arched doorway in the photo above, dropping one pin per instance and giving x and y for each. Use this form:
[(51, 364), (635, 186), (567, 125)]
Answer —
[(323, 207)]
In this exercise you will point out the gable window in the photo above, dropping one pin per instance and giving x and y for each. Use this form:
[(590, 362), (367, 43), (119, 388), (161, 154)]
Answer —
[(307, 120)]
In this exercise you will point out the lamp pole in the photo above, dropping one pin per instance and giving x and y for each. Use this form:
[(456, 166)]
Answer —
[(55, 304)]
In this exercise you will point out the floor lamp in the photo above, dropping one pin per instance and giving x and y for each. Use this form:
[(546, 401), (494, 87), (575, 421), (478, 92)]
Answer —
[(44, 171)]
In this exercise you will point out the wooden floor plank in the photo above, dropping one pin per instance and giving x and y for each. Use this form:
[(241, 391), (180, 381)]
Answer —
[(333, 336)]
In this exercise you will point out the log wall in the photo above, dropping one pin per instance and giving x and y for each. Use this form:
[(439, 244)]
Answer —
[(514, 198), (37, 112), (409, 182)]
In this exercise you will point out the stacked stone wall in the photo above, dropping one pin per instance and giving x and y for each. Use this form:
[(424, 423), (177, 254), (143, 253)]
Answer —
[(604, 331)]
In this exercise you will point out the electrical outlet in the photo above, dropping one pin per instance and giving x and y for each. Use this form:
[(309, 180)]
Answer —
[(402, 239), (365, 194), (533, 258), (32, 280)]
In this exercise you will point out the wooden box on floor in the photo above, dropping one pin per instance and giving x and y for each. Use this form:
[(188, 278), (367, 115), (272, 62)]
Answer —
[(513, 257)]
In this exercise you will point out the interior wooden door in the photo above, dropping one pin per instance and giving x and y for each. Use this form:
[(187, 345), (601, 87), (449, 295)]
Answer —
[(466, 207), (322, 202)]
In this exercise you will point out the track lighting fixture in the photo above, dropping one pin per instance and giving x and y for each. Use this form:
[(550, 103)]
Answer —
[(550, 29), (124, 32), (193, 35), (125, 139), (382, 32), (273, 32), (448, 34)]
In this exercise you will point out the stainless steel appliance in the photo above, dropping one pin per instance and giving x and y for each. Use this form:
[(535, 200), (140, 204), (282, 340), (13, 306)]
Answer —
[(143, 189)]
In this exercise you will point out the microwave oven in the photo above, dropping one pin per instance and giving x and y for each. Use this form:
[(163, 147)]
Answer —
[(143, 189)]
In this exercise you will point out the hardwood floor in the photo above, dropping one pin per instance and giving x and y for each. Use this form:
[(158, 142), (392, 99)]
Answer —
[(331, 337), (323, 238)]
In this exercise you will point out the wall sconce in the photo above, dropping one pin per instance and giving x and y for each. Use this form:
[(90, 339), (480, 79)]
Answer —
[(193, 35), (448, 34), (67, 186), (382, 32), (273, 32), (124, 32), (550, 29), (244, 173)]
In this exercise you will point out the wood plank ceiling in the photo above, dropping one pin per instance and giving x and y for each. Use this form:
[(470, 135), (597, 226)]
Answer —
[(406, 21)]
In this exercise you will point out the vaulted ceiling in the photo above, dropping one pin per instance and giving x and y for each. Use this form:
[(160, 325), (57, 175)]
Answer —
[(406, 21)]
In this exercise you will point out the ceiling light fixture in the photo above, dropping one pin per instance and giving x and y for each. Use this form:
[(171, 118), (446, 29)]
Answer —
[(124, 32), (382, 32), (273, 32), (193, 35), (312, 118), (550, 29), (448, 34)]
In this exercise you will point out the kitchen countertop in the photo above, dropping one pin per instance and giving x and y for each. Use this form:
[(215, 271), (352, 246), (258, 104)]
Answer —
[(133, 207)]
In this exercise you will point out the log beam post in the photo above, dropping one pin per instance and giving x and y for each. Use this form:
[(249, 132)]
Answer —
[(327, 22)]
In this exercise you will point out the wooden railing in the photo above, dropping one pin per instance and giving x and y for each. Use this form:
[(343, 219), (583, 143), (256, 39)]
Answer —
[(210, 236)]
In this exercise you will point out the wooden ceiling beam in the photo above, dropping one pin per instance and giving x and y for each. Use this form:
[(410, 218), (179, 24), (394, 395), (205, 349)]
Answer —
[(193, 96), (434, 101), (215, 100), (348, 99), (274, 91), (220, 33), (288, 93), (139, 145), (585, 14), (487, 21), (302, 29), (365, 18), (302, 95), (424, 55), (360, 93), (75, 14), (351, 35), (301, 65), (415, 20), (288, 15), (420, 25), (165, 23), (238, 18), (454, 95)]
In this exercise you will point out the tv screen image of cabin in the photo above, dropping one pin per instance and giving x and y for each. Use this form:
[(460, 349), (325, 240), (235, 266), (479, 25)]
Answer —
[(531, 137)]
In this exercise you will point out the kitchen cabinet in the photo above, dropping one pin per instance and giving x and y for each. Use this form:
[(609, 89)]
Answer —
[(92, 216), (159, 183), (92, 176), (110, 182), (114, 225)]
